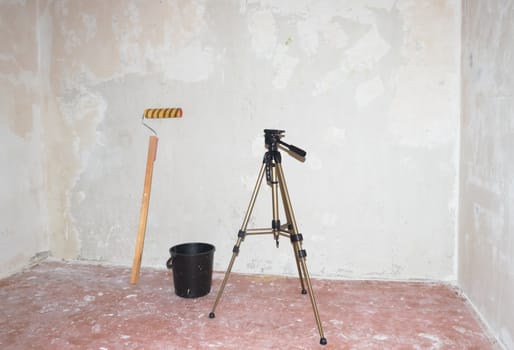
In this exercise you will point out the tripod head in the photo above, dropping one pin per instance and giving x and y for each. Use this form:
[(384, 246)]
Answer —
[(272, 140)]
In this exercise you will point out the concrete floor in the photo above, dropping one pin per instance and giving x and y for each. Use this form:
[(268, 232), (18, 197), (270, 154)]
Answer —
[(58, 305)]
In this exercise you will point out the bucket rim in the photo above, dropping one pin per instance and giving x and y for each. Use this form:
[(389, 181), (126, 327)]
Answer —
[(210, 248)]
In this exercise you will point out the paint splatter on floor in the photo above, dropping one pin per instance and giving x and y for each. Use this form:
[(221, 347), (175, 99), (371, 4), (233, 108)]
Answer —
[(60, 305)]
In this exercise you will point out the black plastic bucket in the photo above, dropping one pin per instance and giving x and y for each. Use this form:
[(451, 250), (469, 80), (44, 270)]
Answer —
[(192, 269)]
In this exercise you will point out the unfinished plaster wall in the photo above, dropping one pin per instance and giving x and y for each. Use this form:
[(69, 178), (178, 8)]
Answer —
[(486, 241), (369, 89), (23, 231), (365, 87)]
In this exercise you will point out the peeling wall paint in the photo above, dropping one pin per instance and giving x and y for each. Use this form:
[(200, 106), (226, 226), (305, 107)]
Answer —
[(22, 207), (363, 86), (486, 237)]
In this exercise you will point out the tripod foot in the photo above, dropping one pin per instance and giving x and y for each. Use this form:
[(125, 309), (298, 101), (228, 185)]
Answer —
[(212, 315), (304, 291), (323, 341)]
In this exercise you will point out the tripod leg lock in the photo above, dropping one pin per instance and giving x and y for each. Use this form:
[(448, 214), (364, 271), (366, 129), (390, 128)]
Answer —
[(296, 238), (275, 225), (302, 253), (241, 234), (235, 249)]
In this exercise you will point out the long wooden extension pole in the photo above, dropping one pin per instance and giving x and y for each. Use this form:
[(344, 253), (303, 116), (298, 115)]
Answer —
[(152, 153)]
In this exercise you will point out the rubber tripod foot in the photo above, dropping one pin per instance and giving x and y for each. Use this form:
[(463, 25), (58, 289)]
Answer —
[(212, 315), (304, 291), (323, 341)]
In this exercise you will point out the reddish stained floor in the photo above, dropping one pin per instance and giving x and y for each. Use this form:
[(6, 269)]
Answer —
[(58, 305)]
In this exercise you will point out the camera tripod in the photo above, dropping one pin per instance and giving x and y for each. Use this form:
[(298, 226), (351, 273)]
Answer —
[(272, 167)]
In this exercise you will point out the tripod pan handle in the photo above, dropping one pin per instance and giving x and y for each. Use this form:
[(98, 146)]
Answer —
[(297, 150)]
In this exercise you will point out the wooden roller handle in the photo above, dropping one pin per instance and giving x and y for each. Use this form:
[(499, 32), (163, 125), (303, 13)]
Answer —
[(152, 153)]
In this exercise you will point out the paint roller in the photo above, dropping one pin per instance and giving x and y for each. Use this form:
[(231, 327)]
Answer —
[(151, 113), (154, 113)]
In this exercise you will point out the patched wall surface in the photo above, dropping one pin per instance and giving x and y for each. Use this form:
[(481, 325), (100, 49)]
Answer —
[(486, 240), (369, 89), (23, 212)]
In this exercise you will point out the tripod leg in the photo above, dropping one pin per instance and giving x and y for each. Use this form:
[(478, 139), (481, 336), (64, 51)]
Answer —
[(300, 253), (240, 238), (235, 251), (298, 266), (295, 237), (275, 223)]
